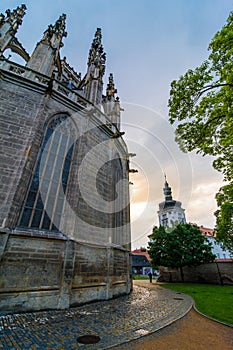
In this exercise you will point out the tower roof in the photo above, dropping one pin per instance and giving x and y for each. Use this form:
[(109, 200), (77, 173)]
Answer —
[(169, 202)]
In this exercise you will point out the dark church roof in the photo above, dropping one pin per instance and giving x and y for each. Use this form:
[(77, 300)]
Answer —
[(169, 204)]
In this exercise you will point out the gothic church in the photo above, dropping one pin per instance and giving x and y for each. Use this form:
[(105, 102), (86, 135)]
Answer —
[(64, 220)]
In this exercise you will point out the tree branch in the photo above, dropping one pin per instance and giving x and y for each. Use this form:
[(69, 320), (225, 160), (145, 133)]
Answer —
[(207, 88)]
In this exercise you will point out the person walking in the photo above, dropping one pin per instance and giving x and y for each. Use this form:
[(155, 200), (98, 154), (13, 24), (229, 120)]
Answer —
[(150, 276)]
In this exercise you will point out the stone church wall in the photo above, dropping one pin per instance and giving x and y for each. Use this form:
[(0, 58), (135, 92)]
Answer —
[(89, 259), (50, 272)]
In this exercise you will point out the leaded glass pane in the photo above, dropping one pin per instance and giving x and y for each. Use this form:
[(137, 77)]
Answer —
[(39, 203), (46, 222), (36, 218), (26, 217), (31, 199)]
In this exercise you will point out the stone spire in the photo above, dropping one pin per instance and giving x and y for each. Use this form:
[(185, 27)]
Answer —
[(9, 25), (93, 86), (97, 56), (111, 103), (46, 53)]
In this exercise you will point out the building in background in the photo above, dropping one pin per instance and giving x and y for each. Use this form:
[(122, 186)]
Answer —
[(170, 212), (64, 221), (217, 248), (141, 261)]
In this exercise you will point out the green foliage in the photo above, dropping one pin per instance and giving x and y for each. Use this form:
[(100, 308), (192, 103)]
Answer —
[(182, 246), (201, 105), (213, 301), (224, 227)]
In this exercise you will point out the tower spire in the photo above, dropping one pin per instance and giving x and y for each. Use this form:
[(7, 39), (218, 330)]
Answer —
[(46, 53), (93, 87), (167, 190)]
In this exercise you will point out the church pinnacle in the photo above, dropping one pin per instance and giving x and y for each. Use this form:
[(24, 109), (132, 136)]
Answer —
[(97, 56), (54, 33), (110, 91), (111, 104), (9, 25), (14, 17), (46, 54), (93, 87)]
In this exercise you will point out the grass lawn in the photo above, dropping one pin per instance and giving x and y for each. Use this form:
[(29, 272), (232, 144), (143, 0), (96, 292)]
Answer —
[(140, 277), (213, 301)]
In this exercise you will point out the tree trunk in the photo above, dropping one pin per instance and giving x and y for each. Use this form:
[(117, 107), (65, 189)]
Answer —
[(219, 274), (170, 276), (181, 274)]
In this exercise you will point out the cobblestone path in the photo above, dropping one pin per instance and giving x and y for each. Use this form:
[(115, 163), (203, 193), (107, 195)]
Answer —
[(116, 321)]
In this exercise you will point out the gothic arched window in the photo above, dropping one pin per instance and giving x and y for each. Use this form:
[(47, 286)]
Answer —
[(119, 210), (45, 199)]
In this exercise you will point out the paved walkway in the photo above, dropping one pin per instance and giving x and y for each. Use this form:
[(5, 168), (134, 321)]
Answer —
[(114, 322)]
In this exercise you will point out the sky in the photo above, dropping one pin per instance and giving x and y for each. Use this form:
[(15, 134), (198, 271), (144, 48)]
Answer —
[(148, 44)]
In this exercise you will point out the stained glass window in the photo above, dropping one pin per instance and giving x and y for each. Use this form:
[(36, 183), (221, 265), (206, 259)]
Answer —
[(45, 199)]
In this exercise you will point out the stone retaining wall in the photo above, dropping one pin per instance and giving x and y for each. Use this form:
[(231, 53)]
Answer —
[(215, 273)]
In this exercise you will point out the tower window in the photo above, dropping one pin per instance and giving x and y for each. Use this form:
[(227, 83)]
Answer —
[(45, 199)]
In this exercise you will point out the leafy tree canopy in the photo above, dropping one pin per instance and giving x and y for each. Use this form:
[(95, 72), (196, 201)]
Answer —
[(182, 246), (201, 105)]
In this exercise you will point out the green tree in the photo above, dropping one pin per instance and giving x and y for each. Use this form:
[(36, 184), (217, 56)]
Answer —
[(201, 105), (182, 246), (224, 216)]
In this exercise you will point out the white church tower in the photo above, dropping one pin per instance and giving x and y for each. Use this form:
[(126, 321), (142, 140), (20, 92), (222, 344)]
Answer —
[(170, 212)]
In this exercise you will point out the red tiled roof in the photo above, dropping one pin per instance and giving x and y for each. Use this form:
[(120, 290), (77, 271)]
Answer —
[(141, 251), (209, 232)]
